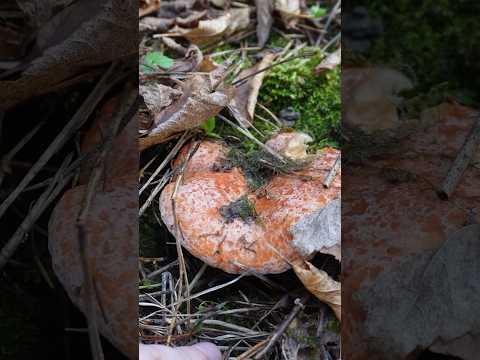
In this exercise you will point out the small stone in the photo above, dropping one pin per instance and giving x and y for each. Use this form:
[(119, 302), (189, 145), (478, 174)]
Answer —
[(289, 116)]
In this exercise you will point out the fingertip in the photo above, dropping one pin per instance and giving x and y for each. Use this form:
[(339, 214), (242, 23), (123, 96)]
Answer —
[(210, 350)]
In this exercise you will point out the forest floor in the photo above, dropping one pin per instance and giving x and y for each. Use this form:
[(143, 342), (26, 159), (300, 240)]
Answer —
[(247, 315)]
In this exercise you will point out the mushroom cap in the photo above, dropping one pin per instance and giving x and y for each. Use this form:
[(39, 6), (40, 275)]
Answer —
[(385, 222), (236, 245), (112, 234), (123, 159), (207, 158), (112, 256)]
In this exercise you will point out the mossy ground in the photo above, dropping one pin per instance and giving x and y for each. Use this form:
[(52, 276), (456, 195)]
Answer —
[(294, 84), (315, 97)]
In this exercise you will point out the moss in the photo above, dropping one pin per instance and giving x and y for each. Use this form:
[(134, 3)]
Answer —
[(315, 97), (259, 166), (241, 208), (431, 40)]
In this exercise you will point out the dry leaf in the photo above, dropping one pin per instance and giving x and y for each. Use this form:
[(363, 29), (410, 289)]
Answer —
[(157, 96), (320, 284), (264, 20), (193, 108), (148, 7), (243, 104), (40, 11), (289, 11), (330, 62), (107, 34), (210, 30), (292, 145), (154, 24), (433, 295), (319, 232), (220, 3)]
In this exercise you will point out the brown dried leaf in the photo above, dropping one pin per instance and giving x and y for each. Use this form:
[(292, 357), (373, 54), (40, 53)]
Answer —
[(190, 62), (105, 35), (330, 62), (320, 284), (368, 95), (157, 96), (264, 20), (155, 24), (193, 108), (209, 30), (243, 104), (148, 7), (191, 20)]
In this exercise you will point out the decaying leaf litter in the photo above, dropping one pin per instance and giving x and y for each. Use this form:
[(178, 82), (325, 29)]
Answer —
[(204, 78)]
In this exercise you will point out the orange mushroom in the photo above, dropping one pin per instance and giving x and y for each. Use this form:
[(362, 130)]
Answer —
[(112, 235), (392, 213), (220, 220)]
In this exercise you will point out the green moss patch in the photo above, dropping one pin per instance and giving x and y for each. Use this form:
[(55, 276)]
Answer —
[(242, 208)]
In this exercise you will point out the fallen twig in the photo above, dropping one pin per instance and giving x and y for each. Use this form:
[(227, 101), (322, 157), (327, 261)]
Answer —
[(299, 305), (332, 173), (58, 183), (9, 156), (461, 162), (80, 117)]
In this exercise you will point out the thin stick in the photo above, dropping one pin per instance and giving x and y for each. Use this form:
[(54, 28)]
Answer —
[(155, 191), (299, 305), (461, 163), (331, 16), (332, 173), (197, 277), (252, 350), (186, 135), (273, 116), (128, 99), (178, 240), (253, 138), (8, 158), (80, 117), (59, 181)]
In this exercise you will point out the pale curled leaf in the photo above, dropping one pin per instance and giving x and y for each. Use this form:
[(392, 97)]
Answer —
[(330, 62), (292, 145), (320, 284), (289, 11), (243, 104)]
